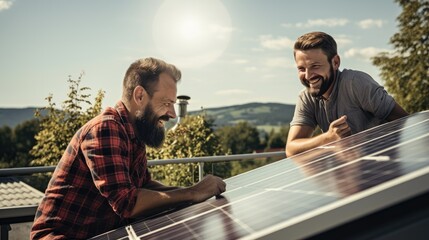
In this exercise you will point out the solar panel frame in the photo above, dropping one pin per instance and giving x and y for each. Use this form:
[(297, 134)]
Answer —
[(372, 151)]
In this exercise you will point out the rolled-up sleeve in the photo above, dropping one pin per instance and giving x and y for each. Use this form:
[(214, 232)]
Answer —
[(304, 112)]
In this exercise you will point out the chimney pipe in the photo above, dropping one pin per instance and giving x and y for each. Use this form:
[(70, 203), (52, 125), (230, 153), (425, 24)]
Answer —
[(182, 110)]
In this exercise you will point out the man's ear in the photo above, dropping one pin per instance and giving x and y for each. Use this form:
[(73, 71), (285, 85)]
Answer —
[(139, 94), (336, 62)]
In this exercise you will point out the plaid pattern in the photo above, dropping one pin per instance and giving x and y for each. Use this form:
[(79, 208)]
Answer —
[(94, 186)]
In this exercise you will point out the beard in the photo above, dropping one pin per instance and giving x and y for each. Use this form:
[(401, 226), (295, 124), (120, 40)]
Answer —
[(326, 83), (147, 127)]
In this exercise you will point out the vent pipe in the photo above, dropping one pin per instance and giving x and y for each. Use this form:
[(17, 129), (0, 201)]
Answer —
[(182, 109)]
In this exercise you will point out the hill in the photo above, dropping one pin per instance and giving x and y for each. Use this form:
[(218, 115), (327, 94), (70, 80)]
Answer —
[(14, 116), (262, 115)]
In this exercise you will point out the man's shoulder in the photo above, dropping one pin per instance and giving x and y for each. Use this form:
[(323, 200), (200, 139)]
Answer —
[(351, 74), (106, 118), (354, 78)]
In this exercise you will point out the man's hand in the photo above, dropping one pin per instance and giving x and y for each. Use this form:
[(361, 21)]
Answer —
[(159, 198), (208, 187), (338, 129)]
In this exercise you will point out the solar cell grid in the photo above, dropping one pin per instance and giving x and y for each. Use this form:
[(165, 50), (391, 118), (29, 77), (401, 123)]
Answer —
[(310, 192)]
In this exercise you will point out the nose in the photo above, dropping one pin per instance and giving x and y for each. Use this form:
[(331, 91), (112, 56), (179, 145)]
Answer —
[(171, 112), (307, 74)]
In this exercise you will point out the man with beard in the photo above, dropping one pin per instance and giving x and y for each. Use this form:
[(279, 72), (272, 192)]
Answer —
[(102, 181), (341, 103)]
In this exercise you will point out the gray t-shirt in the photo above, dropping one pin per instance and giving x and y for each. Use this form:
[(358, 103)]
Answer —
[(355, 94)]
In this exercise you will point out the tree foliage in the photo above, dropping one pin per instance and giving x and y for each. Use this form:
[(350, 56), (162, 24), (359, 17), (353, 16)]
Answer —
[(59, 125), (240, 138), (15, 144), (277, 139), (193, 137), (406, 70), (6, 146)]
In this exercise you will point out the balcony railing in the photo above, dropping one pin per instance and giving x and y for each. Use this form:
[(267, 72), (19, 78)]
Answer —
[(26, 213)]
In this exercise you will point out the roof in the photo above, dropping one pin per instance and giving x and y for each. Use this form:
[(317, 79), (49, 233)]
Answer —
[(15, 193)]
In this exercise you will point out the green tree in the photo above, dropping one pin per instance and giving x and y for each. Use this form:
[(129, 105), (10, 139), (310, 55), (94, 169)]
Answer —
[(7, 146), (24, 140), (15, 144), (277, 139), (239, 139), (59, 125), (194, 137), (406, 70)]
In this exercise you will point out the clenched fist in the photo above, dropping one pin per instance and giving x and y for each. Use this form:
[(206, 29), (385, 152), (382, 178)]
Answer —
[(339, 129)]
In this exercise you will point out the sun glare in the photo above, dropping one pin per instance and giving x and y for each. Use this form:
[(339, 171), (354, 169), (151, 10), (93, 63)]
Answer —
[(190, 29), (191, 33)]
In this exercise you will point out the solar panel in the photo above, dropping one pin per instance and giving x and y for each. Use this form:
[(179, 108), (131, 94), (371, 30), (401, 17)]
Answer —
[(309, 193)]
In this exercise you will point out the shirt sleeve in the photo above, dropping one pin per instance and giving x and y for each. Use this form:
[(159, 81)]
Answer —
[(372, 97), (105, 148), (304, 112)]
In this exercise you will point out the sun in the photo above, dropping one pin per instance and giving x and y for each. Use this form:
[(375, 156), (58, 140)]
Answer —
[(190, 29), (192, 33)]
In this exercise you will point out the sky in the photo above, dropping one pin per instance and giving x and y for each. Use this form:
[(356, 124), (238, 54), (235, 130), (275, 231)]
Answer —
[(230, 52)]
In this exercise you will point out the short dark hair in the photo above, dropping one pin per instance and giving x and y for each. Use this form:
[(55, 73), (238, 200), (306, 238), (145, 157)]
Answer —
[(145, 72), (315, 40)]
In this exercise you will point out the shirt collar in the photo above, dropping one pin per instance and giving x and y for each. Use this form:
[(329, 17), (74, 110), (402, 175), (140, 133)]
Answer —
[(334, 93)]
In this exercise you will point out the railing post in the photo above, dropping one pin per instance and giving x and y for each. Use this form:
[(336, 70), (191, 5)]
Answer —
[(5, 228), (200, 170)]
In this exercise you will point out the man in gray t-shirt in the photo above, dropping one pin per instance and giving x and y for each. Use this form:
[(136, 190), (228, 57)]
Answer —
[(341, 103)]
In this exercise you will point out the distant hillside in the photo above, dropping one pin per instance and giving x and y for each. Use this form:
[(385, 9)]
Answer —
[(262, 115), (258, 114), (14, 116)]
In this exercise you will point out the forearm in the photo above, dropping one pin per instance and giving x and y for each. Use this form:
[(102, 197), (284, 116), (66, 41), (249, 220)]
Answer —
[(303, 144), (152, 201), (157, 186), (397, 112), (149, 201)]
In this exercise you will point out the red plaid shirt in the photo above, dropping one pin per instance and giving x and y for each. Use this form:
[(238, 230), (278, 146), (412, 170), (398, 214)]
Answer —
[(94, 186)]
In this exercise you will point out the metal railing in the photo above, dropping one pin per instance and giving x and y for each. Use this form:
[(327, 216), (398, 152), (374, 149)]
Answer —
[(200, 160), (22, 214)]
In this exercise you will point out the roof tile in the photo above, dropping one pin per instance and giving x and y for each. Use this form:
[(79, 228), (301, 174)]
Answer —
[(14, 192)]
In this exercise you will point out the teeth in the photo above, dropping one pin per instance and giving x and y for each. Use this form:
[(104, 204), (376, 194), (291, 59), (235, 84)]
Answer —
[(313, 81)]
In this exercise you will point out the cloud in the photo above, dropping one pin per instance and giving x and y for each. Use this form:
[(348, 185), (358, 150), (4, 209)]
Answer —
[(256, 49), (5, 4), (364, 53), (343, 40), (250, 69), (240, 61), (269, 76), (267, 41), (227, 92), (220, 32), (327, 22), (370, 23), (278, 62)]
